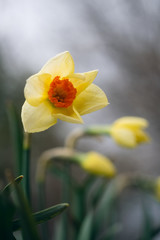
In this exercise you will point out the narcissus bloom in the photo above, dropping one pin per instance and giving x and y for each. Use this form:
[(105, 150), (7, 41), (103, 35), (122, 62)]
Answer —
[(56, 92), (129, 131), (98, 164)]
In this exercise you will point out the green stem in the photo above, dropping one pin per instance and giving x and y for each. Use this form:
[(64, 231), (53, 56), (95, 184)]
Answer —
[(45, 162), (26, 164), (97, 130)]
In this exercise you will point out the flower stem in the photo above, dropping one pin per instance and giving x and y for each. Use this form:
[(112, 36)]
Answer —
[(26, 164), (94, 131), (97, 130), (45, 161)]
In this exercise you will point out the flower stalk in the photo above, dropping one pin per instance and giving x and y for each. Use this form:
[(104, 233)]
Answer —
[(26, 164), (93, 131)]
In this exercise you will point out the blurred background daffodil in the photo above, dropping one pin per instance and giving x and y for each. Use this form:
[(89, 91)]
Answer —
[(129, 131), (97, 164)]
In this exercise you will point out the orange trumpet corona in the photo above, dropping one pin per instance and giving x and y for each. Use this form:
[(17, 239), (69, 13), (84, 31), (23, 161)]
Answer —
[(61, 92)]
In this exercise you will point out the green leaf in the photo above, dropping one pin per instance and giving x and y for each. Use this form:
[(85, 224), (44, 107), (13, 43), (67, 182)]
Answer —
[(9, 187), (105, 205), (147, 221), (96, 191), (86, 228), (62, 174), (155, 231), (61, 230), (43, 215), (16, 135), (111, 232), (28, 224), (7, 210), (78, 207)]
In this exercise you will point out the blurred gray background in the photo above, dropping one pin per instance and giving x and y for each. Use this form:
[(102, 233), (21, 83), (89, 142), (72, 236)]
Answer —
[(118, 37)]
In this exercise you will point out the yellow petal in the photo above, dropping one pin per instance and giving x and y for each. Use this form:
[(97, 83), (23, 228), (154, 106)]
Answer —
[(36, 89), (131, 122), (61, 65), (123, 137), (141, 136), (90, 100), (82, 80), (36, 119), (67, 114), (96, 163)]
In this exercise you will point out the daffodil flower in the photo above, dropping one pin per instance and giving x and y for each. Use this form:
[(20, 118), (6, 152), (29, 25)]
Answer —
[(97, 164), (56, 92), (129, 131)]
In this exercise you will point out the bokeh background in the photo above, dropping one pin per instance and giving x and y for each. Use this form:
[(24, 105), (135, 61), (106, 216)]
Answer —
[(118, 37)]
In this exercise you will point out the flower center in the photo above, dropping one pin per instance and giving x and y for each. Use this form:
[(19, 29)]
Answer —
[(61, 92)]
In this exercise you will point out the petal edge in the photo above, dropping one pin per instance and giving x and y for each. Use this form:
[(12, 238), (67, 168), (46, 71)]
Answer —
[(90, 100), (61, 65), (37, 119)]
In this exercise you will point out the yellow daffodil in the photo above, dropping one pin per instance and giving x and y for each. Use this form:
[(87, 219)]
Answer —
[(97, 164), (129, 131), (56, 92), (157, 188)]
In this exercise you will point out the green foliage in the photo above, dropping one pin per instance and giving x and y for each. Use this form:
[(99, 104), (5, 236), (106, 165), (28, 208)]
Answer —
[(93, 200), (7, 210), (147, 222), (16, 136), (61, 229), (17, 203), (86, 228), (8, 189), (106, 203), (42, 216)]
